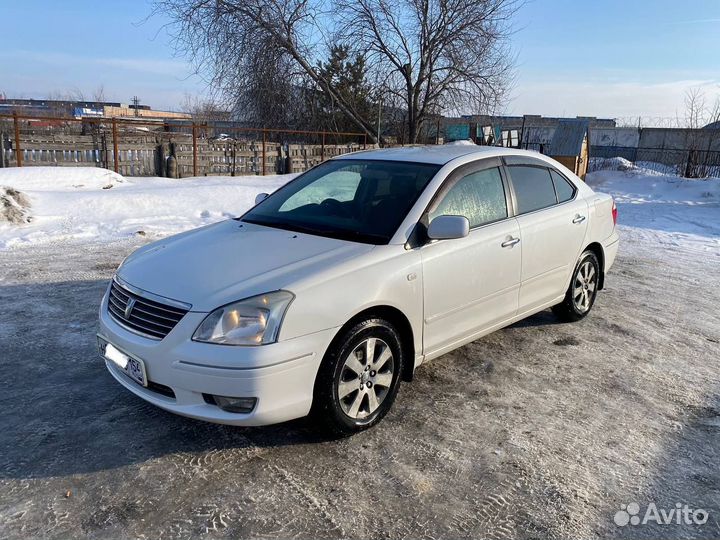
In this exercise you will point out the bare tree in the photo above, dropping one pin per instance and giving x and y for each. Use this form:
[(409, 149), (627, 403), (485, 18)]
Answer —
[(74, 94), (429, 55), (435, 56), (268, 85), (695, 108), (233, 40), (99, 94), (713, 116), (698, 141), (203, 110)]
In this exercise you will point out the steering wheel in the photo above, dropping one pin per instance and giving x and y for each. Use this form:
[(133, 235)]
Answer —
[(335, 207)]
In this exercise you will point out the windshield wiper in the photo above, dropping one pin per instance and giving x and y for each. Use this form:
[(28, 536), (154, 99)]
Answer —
[(286, 226), (340, 234)]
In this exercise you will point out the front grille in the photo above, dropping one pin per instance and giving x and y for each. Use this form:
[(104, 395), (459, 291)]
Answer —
[(145, 316)]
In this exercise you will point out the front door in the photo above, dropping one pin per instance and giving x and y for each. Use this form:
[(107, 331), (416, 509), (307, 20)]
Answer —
[(471, 283)]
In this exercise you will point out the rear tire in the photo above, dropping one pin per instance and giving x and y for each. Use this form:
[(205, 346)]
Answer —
[(581, 294), (358, 378)]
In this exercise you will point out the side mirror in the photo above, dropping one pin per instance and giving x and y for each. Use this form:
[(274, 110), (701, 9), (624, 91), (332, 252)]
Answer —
[(260, 197), (448, 227)]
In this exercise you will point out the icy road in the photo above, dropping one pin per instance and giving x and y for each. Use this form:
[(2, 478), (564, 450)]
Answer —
[(538, 430)]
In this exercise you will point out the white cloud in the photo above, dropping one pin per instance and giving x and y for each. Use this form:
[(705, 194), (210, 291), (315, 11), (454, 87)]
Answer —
[(606, 98), (172, 67), (696, 21), (175, 68), (161, 83)]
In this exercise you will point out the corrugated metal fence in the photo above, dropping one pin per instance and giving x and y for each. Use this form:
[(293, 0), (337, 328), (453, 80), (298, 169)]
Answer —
[(687, 163)]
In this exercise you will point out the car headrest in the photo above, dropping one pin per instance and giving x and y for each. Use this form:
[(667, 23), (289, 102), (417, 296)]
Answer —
[(375, 174), (402, 184)]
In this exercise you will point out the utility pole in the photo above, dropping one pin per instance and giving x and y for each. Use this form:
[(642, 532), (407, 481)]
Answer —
[(136, 104), (379, 114)]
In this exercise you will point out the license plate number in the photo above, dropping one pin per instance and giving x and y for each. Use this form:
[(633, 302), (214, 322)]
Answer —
[(132, 367)]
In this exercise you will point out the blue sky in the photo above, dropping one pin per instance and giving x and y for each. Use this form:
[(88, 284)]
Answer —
[(603, 57), (615, 57)]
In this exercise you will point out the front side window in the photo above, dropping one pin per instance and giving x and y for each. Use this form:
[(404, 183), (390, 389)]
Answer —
[(350, 199), (533, 188), (479, 196)]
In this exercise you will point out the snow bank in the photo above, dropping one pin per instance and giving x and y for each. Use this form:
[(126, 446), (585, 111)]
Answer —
[(98, 205), (58, 178), (612, 164), (14, 206), (656, 212), (665, 212)]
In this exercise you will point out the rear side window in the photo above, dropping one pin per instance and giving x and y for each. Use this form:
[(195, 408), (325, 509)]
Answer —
[(563, 188), (479, 196), (533, 188)]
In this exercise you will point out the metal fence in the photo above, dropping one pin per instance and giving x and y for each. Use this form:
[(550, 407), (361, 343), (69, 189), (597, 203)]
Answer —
[(169, 148), (682, 162)]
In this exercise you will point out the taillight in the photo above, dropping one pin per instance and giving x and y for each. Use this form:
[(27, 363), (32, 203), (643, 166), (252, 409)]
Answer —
[(614, 213)]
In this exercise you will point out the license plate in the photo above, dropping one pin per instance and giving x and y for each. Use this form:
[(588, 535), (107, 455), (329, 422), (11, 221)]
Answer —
[(132, 367)]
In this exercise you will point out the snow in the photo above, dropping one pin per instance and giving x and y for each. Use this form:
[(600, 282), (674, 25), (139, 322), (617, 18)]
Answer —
[(58, 178), (463, 142), (95, 204), (656, 211), (663, 212)]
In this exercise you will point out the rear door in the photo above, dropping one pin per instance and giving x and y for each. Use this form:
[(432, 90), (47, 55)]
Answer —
[(471, 283), (552, 220)]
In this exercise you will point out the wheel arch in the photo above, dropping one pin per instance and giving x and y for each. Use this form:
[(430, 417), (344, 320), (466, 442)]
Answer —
[(401, 323), (599, 252)]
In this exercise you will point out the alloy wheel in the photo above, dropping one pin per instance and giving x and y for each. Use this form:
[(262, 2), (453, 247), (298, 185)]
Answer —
[(366, 377), (584, 286)]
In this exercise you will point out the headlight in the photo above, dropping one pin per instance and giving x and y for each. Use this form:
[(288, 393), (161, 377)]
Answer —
[(253, 321)]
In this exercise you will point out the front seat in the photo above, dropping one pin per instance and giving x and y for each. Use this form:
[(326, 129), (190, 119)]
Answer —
[(387, 209)]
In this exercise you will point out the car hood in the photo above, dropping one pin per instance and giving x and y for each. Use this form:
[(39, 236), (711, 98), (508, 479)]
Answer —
[(229, 261)]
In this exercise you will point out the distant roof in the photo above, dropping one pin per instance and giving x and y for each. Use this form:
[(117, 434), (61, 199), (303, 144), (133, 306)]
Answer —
[(568, 138), (713, 125), (438, 155)]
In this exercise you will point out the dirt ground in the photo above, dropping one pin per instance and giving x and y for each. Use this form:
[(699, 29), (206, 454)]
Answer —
[(541, 430)]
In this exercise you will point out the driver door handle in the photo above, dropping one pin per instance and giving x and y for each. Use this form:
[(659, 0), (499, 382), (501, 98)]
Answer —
[(579, 219), (510, 243)]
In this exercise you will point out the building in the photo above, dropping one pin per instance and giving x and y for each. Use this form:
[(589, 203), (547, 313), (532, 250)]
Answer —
[(84, 109), (570, 145), (128, 111), (530, 131)]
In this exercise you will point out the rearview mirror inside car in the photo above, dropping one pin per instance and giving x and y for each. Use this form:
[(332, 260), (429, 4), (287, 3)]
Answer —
[(260, 197)]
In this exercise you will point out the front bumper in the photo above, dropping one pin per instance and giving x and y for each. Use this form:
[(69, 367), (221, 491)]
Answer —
[(280, 375)]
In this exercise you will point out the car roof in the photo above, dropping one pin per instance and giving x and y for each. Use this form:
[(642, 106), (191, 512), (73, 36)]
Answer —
[(435, 154)]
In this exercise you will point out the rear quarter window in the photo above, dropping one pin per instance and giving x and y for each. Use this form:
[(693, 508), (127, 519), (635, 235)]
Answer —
[(564, 189)]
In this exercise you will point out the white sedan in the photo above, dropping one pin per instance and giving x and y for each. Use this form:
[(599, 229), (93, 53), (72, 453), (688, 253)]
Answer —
[(329, 292)]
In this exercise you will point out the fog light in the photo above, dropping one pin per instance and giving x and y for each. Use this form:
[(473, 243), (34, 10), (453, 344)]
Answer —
[(234, 404)]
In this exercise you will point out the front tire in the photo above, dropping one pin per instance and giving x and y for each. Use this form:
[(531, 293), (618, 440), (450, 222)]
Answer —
[(359, 378), (581, 294)]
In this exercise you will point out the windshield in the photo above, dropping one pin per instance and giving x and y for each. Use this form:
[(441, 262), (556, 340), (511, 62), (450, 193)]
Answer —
[(359, 200)]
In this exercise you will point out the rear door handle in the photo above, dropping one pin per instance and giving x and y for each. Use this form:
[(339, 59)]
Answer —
[(510, 243), (579, 219)]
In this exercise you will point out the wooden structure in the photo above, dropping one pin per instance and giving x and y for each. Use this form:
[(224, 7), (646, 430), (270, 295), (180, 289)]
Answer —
[(570, 145), (141, 148)]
